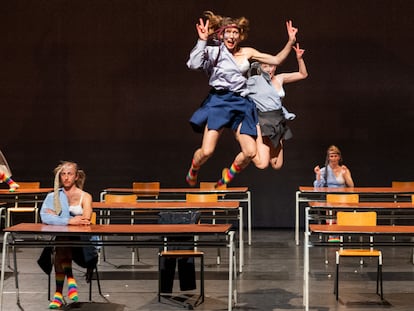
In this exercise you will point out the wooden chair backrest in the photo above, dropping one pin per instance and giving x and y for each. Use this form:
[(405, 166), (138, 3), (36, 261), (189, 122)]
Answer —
[(356, 218), (93, 218), (403, 184), (120, 198), (29, 184), (208, 185), (342, 198), (201, 197)]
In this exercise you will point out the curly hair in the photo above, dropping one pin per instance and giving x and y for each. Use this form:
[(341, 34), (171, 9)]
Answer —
[(218, 23)]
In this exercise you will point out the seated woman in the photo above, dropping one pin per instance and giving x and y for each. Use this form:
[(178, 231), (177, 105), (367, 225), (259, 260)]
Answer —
[(68, 205)]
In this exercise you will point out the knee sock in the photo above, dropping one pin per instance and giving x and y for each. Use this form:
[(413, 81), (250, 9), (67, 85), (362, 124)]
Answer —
[(72, 289), (191, 177), (228, 174), (72, 286), (7, 179), (57, 300)]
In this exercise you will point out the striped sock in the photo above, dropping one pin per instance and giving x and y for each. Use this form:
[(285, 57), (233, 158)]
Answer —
[(191, 177), (72, 289), (57, 301), (227, 175)]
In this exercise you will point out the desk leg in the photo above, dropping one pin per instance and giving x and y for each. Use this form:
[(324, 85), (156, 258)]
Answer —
[(306, 268), (297, 218), (231, 271), (249, 217), (3, 266), (241, 242)]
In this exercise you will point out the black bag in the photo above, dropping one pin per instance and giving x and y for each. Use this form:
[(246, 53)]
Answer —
[(45, 260)]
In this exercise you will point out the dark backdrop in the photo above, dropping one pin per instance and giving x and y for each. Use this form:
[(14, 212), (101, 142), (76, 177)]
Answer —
[(104, 83)]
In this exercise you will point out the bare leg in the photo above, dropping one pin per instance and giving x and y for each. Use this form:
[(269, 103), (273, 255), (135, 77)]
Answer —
[(276, 156), (262, 158), (202, 154), (248, 151)]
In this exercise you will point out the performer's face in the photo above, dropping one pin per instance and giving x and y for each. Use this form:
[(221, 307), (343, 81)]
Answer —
[(270, 69), (334, 157), (231, 37), (68, 175)]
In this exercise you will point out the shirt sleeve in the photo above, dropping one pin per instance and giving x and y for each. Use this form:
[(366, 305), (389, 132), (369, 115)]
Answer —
[(321, 182), (51, 219)]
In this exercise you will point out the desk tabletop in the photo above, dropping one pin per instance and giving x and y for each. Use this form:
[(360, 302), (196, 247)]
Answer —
[(384, 190), (363, 205), (168, 205), (121, 229), (25, 191), (337, 229), (178, 190)]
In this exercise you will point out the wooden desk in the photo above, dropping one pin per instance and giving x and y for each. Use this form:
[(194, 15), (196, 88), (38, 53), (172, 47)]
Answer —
[(348, 230), (180, 206), (18, 236), (241, 194), (307, 194)]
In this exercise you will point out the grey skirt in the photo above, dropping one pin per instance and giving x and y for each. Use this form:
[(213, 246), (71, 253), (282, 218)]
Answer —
[(273, 125)]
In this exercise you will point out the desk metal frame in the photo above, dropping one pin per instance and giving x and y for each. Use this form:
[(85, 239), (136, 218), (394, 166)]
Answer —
[(15, 236), (156, 206), (241, 194), (306, 194)]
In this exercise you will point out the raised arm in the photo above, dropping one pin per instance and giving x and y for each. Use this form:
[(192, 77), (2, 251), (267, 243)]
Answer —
[(302, 72), (279, 57)]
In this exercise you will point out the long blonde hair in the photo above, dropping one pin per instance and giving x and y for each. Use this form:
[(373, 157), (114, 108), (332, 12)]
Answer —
[(79, 182)]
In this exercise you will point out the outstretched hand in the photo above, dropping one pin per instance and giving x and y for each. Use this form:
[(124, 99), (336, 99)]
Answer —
[(298, 50), (292, 31), (202, 29)]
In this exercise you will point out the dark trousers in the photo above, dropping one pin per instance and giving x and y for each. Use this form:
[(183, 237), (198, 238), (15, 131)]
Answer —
[(186, 274)]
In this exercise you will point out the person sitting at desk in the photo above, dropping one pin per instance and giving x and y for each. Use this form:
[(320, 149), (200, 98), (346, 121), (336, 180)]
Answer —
[(335, 175), (68, 205)]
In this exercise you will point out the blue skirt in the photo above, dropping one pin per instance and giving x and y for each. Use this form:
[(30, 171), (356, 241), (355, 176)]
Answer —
[(224, 108)]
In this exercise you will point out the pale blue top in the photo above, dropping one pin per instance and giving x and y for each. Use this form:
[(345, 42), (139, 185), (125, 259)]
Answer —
[(330, 180), (220, 66)]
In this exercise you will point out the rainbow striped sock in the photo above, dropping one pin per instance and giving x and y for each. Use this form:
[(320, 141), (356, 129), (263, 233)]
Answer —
[(7, 179), (72, 289), (227, 175), (57, 301), (191, 177)]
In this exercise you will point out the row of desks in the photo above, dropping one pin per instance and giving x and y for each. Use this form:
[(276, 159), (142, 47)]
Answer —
[(21, 235), (371, 194), (240, 194)]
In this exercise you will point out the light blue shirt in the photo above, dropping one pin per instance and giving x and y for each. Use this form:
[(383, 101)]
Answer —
[(48, 203), (330, 179), (265, 96), (220, 65)]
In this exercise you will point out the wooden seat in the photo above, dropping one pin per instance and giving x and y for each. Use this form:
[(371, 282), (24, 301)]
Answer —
[(211, 185), (358, 219), (20, 207), (201, 197)]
